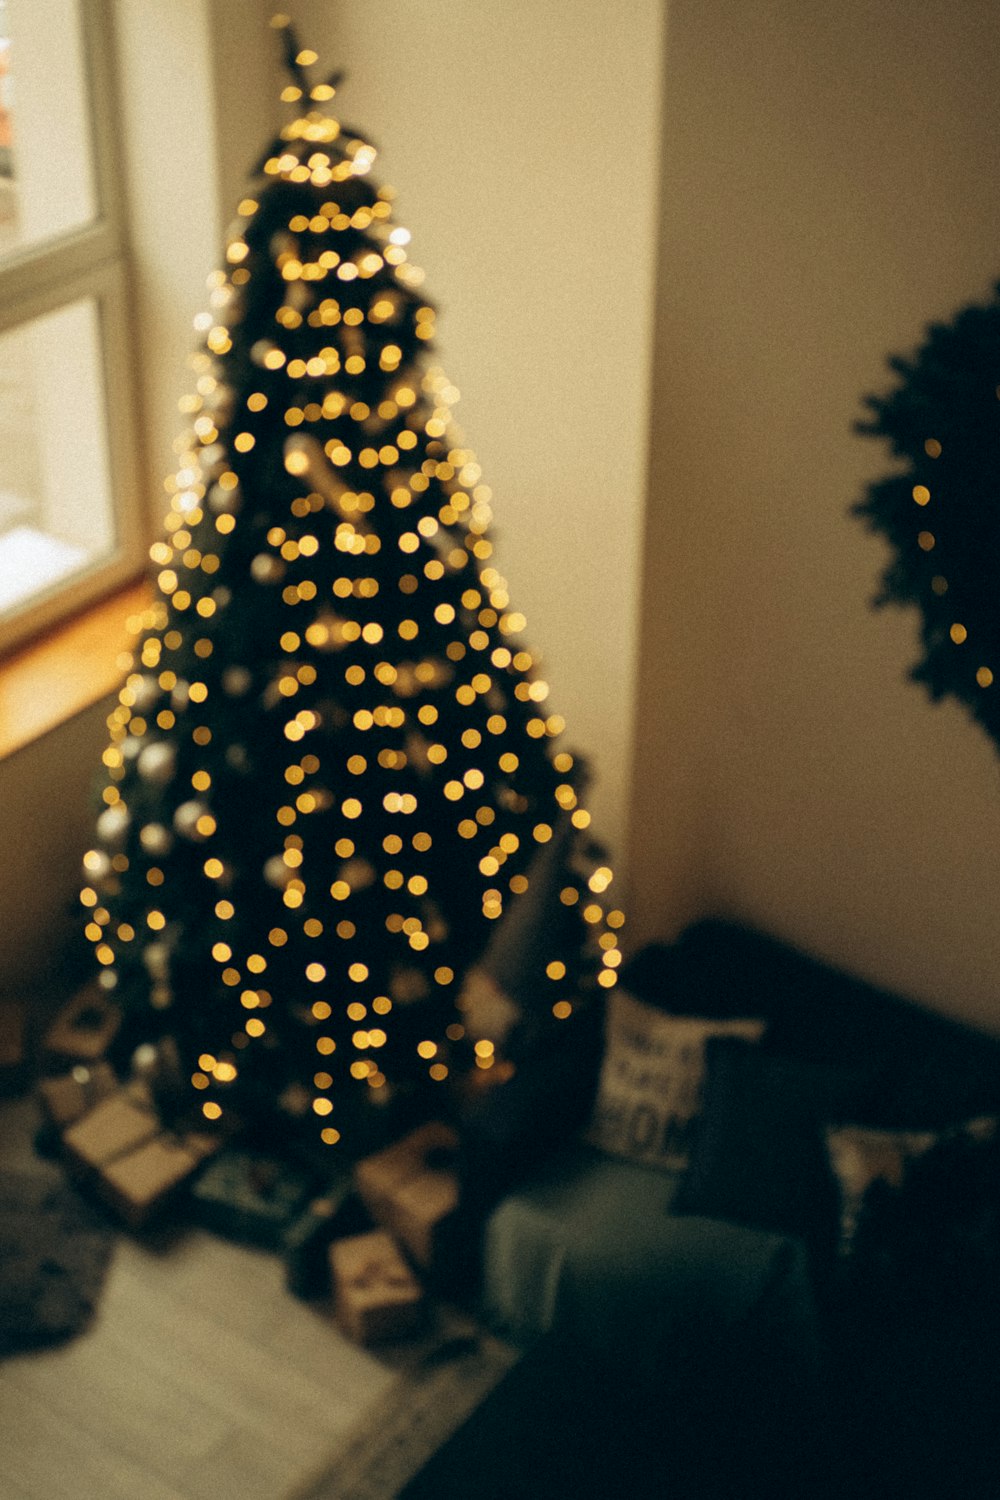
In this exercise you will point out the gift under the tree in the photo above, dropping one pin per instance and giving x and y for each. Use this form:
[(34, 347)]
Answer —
[(67, 1097), (84, 1028), (305, 1244), (113, 1127), (411, 1188), (120, 1149), (376, 1295), (246, 1196), (141, 1183), (13, 1046)]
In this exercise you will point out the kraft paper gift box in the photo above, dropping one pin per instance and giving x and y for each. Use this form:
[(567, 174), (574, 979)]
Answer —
[(141, 1184), (411, 1188), (67, 1097), (85, 1027), (376, 1295), (115, 1126)]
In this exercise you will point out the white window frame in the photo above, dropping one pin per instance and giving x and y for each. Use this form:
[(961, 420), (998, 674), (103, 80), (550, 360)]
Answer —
[(89, 262)]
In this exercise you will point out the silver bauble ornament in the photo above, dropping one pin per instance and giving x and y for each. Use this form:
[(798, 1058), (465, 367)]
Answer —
[(112, 826), (224, 502), (237, 758), (212, 460), (156, 957), (236, 681), (145, 694), (156, 840), (97, 866), (186, 819), (156, 762), (266, 568), (276, 872)]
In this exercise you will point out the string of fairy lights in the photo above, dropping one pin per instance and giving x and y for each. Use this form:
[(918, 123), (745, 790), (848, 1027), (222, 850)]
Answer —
[(927, 541), (429, 734)]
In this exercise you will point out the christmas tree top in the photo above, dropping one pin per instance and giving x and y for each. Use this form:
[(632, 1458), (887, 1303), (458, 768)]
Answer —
[(333, 784)]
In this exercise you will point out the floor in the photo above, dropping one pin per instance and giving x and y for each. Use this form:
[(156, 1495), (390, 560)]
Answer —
[(202, 1378)]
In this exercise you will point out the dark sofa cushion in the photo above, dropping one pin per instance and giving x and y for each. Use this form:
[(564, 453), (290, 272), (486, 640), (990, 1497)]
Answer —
[(920, 1214), (932, 1070), (759, 1155)]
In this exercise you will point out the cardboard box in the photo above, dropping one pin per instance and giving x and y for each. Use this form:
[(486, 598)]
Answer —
[(411, 1188), (140, 1184), (111, 1129), (251, 1197), (69, 1096), (305, 1244), (85, 1027), (376, 1295)]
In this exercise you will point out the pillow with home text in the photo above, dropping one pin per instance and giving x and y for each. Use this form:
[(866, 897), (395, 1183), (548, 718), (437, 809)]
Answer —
[(650, 1086)]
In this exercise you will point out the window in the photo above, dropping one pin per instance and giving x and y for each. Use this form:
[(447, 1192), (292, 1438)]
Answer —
[(69, 522)]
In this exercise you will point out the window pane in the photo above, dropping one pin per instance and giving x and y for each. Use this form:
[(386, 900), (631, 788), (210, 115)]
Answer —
[(56, 513), (46, 159)]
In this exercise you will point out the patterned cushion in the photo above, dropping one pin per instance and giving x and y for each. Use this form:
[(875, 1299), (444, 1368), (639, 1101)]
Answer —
[(920, 1210), (650, 1085)]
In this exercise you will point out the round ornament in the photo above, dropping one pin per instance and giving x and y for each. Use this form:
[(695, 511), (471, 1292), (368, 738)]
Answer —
[(112, 826), (156, 840), (276, 872), (266, 568), (156, 762), (939, 507), (187, 818), (224, 501), (147, 693), (236, 681)]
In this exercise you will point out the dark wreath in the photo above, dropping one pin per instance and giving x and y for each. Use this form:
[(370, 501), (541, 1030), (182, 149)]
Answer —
[(940, 508)]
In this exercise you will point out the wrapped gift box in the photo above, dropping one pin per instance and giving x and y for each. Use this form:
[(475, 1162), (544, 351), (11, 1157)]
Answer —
[(85, 1027), (250, 1197), (305, 1245), (411, 1188), (67, 1097), (116, 1126), (120, 1149), (141, 1184), (376, 1296)]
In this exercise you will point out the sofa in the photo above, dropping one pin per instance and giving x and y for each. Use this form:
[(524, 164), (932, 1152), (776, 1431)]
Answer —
[(801, 1298)]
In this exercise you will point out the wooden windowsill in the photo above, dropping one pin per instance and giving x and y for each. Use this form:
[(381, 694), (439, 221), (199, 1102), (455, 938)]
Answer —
[(68, 669)]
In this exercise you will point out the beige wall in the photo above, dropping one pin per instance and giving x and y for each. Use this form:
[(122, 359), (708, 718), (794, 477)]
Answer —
[(829, 186), (523, 141)]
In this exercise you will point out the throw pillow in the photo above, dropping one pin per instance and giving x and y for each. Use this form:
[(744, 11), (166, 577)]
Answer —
[(650, 1085), (920, 1210), (759, 1157)]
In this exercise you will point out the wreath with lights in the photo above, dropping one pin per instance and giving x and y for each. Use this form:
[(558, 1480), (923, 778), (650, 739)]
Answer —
[(940, 507)]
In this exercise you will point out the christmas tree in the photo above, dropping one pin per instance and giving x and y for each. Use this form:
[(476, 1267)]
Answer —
[(331, 772)]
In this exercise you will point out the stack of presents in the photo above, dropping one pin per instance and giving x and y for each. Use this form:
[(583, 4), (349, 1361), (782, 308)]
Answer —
[(372, 1238)]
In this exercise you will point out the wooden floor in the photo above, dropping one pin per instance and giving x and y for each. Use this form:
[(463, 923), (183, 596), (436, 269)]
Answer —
[(200, 1379)]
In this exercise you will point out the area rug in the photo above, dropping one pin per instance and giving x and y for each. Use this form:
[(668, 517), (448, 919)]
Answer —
[(54, 1253), (434, 1395)]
